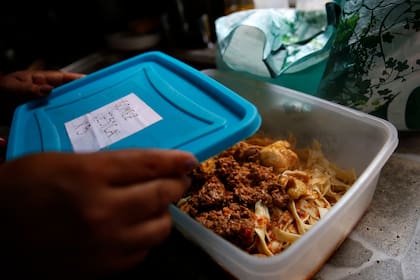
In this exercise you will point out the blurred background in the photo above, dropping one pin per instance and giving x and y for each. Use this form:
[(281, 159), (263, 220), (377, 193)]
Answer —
[(87, 35), (52, 34)]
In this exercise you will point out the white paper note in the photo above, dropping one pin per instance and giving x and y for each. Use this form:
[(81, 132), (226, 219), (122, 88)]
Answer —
[(110, 123)]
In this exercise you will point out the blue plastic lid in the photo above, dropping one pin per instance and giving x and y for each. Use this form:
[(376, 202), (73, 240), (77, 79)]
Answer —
[(148, 101)]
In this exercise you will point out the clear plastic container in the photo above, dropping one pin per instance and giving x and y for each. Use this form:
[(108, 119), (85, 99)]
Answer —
[(349, 138)]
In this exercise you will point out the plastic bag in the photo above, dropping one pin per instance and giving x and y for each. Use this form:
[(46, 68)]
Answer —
[(374, 64), (282, 46)]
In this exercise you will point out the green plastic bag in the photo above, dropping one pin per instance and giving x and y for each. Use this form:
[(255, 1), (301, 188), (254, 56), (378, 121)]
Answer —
[(374, 63)]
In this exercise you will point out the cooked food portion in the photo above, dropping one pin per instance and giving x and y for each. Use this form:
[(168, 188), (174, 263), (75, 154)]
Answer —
[(262, 194)]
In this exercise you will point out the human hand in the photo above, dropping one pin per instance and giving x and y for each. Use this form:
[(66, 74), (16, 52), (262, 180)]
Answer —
[(67, 215), (29, 84), (22, 86)]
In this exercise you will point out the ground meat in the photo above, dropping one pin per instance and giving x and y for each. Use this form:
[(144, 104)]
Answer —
[(226, 189), (211, 194), (250, 195), (280, 199), (259, 185), (259, 173), (226, 167), (234, 222)]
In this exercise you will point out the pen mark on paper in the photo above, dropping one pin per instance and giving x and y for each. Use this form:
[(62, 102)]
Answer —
[(110, 123)]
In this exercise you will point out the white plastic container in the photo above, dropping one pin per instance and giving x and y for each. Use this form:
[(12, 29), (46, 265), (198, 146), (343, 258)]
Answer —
[(349, 138)]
